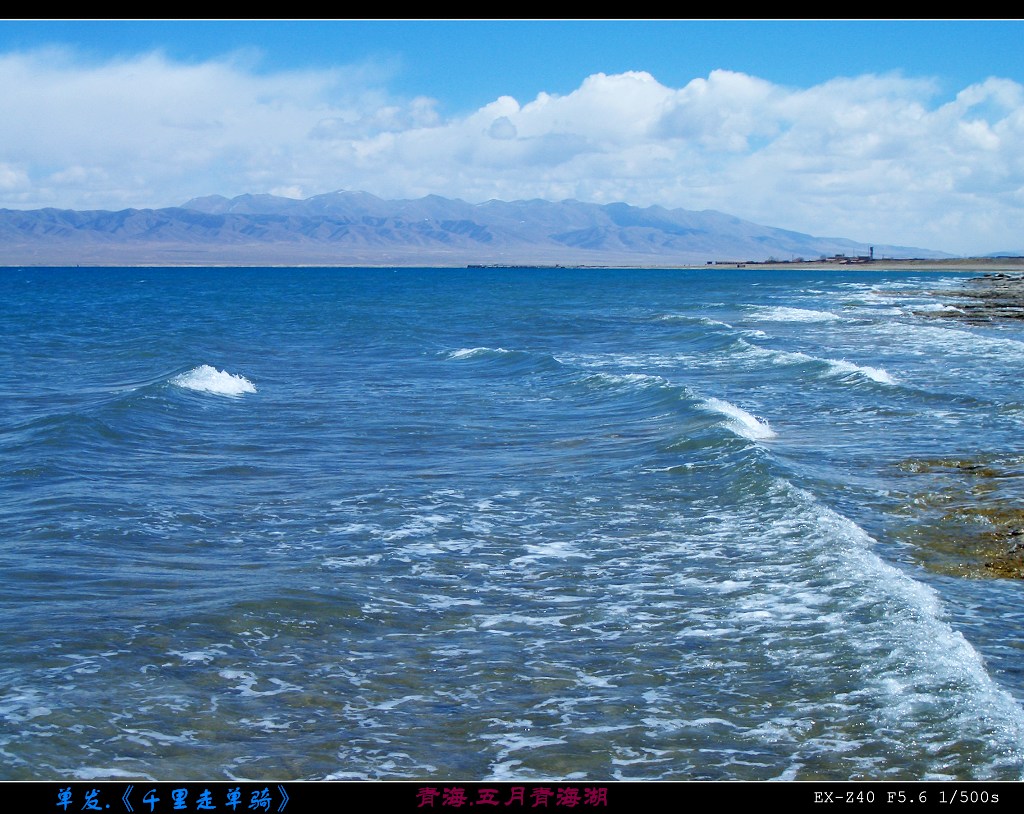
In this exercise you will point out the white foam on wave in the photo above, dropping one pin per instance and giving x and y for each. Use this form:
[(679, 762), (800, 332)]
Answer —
[(821, 600), (947, 339), (875, 298), (621, 360), (629, 379), (740, 421), (938, 307), (775, 357), (874, 311), (551, 550), (876, 374), (836, 366), (352, 562), (107, 773), (419, 526), (782, 313), (923, 657), (207, 379), (469, 353), (717, 323)]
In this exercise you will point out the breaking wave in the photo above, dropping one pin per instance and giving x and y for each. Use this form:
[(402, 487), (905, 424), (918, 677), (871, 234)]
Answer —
[(207, 379), (876, 374), (786, 314), (472, 353), (740, 421)]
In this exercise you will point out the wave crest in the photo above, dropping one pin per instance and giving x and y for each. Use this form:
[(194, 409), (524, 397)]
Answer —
[(472, 353), (785, 314), (876, 374), (740, 421), (207, 379)]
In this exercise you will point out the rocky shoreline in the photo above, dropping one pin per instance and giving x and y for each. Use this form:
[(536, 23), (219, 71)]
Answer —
[(967, 520), (969, 517), (990, 298)]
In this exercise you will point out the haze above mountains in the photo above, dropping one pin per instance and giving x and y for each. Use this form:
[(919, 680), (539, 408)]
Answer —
[(356, 228)]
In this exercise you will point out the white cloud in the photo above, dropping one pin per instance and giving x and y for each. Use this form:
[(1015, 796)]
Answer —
[(724, 111), (874, 158), (502, 128), (288, 192), (13, 179)]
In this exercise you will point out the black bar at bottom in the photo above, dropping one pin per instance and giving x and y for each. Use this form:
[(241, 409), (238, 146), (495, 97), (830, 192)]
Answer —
[(313, 797)]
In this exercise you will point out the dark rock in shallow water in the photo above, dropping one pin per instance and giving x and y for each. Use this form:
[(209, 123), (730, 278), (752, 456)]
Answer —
[(968, 518), (990, 298), (971, 518)]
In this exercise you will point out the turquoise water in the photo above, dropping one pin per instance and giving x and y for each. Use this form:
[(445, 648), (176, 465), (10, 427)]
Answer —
[(495, 524)]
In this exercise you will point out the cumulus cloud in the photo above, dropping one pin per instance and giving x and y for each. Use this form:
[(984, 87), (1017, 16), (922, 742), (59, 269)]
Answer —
[(875, 158)]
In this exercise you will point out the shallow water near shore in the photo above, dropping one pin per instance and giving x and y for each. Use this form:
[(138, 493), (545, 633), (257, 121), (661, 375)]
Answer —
[(503, 523)]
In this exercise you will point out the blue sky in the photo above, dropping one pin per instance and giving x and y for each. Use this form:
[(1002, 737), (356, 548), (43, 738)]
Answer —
[(904, 132), (466, 64)]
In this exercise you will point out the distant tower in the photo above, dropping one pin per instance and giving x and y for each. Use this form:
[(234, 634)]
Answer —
[(872, 252)]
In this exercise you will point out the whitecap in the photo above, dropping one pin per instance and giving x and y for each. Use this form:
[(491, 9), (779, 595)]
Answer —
[(876, 374), (207, 379), (784, 314), (741, 422), (916, 634), (836, 366), (938, 307), (631, 379), (469, 353)]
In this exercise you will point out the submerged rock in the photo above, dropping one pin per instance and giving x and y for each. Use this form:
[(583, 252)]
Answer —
[(968, 517), (989, 298)]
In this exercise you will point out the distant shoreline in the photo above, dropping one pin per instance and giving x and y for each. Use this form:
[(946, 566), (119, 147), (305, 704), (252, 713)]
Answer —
[(985, 264), (967, 264)]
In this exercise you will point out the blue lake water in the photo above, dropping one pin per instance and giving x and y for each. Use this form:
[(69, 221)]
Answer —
[(502, 523)]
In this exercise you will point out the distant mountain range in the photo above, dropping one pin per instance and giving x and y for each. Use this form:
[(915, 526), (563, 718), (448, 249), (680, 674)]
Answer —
[(356, 228)]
